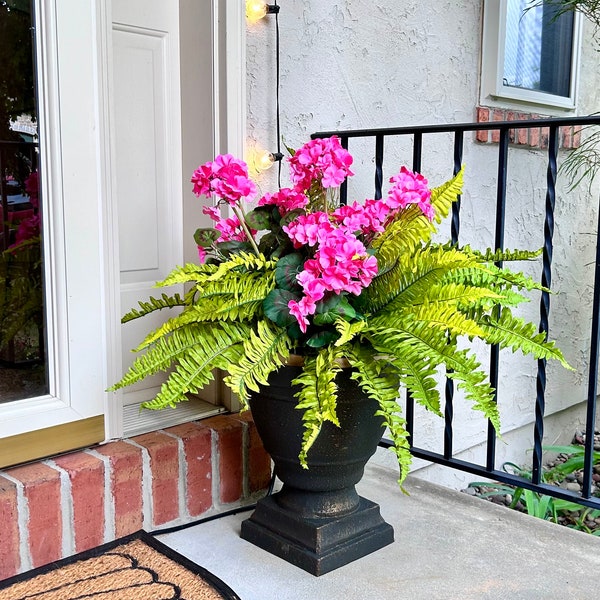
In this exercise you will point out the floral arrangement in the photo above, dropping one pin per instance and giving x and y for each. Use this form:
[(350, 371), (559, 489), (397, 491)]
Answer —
[(362, 283)]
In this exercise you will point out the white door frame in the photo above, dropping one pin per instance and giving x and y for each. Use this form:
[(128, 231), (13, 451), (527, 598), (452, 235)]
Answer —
[(229, 116)]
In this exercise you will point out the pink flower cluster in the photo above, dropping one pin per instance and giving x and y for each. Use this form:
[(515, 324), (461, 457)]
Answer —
[(340, 264), (286, 200), (336, 242), (410, 188), (323, 160), (230, 228), (226, 176)]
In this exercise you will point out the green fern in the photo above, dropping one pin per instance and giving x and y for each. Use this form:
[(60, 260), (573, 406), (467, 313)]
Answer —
[(381, 383), (348, 331), (152, 305), (512, 332), (194, 352), (265, 350), (317, 396)]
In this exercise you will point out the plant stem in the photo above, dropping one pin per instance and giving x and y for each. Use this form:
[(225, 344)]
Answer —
[(242, 219)]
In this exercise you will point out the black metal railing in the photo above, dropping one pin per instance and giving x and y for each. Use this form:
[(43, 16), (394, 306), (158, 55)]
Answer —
[(505, 135)]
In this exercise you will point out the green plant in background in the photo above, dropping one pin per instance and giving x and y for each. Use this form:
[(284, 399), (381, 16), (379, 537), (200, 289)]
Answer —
[(543, 506), (583, 162), (21, 293)]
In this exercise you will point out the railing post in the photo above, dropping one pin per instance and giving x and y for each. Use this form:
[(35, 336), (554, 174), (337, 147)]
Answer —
[(499, 245), (590, 423), (378, 166), (540, 401)]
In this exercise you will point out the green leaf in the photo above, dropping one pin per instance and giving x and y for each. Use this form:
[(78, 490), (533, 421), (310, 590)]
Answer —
[(259, 218), (318, 340), (229, 249), (205, 237), (291, 216), (286, 271), (265, 350), (317, 396), (276, 308), (328, 311)]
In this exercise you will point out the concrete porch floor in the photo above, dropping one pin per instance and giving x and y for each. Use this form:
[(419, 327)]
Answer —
[(447, 546)]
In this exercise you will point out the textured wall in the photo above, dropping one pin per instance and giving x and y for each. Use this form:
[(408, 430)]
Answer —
[(359, 64)]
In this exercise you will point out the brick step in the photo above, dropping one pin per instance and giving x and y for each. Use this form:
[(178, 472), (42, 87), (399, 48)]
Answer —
[(67, 504)]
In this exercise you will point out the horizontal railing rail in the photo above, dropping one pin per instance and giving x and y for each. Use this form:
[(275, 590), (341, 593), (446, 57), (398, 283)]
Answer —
[(552, 127)]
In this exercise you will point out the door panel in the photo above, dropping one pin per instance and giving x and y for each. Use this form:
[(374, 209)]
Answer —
[(148, 51)]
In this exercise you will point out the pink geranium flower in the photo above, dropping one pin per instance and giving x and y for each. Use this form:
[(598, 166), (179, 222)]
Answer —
[(286, 200), (410, 188), (226, 176), (230, 228), (309, 230), (320, 160), (340, 264)]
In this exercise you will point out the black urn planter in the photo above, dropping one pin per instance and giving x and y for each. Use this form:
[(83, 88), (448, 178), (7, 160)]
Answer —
[(317, 521)]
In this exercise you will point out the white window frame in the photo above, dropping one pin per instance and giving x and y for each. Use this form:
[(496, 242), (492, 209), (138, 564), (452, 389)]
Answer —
[(493, 91)]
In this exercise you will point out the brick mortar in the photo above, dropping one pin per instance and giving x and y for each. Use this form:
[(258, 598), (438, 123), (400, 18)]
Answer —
[(112, 470), (109, 505), (66, 507), (147, 504), (182, 485), (569, 136), (26, 561)]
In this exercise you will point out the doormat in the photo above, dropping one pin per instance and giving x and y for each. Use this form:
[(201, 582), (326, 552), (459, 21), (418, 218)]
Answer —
[(136, 567)]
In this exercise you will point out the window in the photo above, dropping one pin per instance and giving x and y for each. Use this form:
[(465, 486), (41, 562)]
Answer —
[(530, 55), (22, 345)]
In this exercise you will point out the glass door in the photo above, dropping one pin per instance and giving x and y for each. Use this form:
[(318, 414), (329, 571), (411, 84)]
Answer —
[(23, 372)]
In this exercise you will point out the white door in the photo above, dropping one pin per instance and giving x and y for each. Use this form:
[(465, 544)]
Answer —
[(162, 81)]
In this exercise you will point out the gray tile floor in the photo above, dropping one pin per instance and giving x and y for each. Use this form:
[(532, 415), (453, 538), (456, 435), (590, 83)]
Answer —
[(447, 546)]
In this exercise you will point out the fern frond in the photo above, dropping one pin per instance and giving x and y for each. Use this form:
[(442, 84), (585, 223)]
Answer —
[(196, 350), (317, 396), (487, 275), (381, 383), (410, 281), (411, 228), (402, 236), (187, 273), (459, 295), (447, 318), (265, 350), (423, 347), (513, 332), (496, 256), (244, 260), (348, 331), (443, 196), (152, 305), (415, 370)]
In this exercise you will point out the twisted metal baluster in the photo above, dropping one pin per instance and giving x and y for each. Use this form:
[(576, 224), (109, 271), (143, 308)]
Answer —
[(540, 400)]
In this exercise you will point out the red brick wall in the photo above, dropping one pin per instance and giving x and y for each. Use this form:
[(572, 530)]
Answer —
[(536, 137), (60, 506)]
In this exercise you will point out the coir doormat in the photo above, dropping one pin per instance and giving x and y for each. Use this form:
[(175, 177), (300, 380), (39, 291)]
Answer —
[(137, 567)]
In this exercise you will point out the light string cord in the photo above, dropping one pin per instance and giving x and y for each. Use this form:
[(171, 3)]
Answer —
[(277, 109)]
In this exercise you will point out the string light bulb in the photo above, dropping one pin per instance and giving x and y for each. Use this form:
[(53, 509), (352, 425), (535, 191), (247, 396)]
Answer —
[(260, 160), (256, 10)]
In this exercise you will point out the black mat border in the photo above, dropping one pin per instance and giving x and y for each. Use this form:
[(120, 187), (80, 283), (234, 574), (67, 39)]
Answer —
[(218, 584)]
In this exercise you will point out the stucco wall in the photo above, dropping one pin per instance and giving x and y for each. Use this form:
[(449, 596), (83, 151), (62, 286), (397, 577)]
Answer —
[(359, 64)]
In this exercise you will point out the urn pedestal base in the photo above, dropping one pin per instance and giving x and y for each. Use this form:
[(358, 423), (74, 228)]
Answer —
[(317, 544)]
